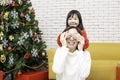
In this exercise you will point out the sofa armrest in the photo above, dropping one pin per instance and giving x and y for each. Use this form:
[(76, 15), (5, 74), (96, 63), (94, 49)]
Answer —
[(51, 53), (118, 71)]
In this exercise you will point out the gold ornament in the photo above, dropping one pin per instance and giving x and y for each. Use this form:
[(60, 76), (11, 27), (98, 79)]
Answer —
[(2, 58), (6, 15), (20, 2), (2, 26), (43, 53), (11, 37), (1, 35), (1, 48)]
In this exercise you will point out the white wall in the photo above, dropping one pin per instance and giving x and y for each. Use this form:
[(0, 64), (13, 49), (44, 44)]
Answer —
[(101, 18)]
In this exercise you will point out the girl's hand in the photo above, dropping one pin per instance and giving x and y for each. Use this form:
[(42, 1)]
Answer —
[(81, 41), (63, 39)]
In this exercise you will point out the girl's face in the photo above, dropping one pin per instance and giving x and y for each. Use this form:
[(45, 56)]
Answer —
[(71, 40), (73, 20)]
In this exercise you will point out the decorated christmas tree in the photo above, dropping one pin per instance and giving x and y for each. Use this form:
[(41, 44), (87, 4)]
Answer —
[(21, 45)]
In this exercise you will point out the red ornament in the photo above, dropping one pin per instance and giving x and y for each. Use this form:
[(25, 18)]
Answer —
[(9, 49), (27, 56), (47, 66), (35, 35), (13, 3), (22, 15), (19, 73)]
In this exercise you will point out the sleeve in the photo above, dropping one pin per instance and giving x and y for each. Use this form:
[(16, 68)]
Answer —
[(59, 60), (86, 45), (58, 40), (86, 65)]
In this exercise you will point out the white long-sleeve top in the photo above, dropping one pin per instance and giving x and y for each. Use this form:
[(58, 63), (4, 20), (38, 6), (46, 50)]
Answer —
[(71, 66)]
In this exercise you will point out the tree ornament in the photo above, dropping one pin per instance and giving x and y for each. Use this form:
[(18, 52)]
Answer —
[(27, 56), (13, 3), (6, 15), (14, 14), (11, 59), (1, 35), (9, 49), (11, 37), (20, 2), (22, 15), (3, 58), (23, 24), (34, 52), (1, 48), (43, 53), (35, 35), (5, 43), (2, 26), (19, 73), (27, 17), (15, 25), (32, 11)]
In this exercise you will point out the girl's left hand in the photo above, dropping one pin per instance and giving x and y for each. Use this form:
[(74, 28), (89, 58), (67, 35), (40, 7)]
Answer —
[(81, 41)]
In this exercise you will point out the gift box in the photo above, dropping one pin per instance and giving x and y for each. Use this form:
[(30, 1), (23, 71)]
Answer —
[(1, 75), (39, 75), (118, 72)]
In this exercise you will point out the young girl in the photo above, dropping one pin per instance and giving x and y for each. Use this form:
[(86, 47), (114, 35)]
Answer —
[(74, 19), (70, 63)]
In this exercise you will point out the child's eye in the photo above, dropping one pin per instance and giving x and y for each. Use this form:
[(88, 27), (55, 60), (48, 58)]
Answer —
[(68, 37), (75, 19), (69, 18)]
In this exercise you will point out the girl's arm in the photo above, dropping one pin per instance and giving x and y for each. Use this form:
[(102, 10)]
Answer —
[(58, 40), (59, 60), (86, 45)]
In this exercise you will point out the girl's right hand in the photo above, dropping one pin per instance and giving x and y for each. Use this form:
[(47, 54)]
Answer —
[(63, 39)]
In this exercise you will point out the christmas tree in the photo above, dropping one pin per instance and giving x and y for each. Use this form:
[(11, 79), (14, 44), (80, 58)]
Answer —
[(21, 45)]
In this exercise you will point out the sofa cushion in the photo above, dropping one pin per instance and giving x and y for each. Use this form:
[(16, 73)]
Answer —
[(103, 70)]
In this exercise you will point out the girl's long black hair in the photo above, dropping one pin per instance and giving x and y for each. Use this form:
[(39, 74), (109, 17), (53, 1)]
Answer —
[(71, 13)]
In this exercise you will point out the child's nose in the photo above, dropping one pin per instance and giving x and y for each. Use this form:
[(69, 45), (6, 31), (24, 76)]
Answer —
[(72, 20), (71, 38)]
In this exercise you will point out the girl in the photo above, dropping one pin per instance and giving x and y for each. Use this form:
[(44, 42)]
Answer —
[(70, 63), (74, 19)]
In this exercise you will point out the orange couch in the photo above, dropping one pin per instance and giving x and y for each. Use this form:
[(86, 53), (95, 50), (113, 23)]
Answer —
[(105, 57)]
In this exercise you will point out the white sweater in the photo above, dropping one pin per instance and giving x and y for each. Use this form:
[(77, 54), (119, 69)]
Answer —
[(71, 66)]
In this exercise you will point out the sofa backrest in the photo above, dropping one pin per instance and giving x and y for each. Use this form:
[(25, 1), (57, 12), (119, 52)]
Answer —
[(104, 51)]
